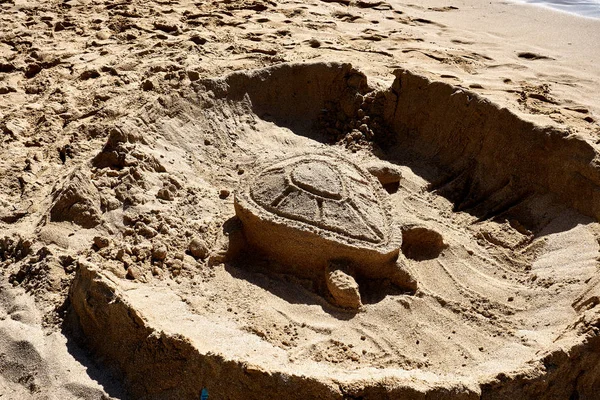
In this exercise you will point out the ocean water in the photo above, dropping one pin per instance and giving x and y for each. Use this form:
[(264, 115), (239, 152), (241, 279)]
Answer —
[(586, 8)]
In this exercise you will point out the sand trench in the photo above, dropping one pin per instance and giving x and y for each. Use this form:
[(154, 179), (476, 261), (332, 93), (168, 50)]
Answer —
[(497, 217)]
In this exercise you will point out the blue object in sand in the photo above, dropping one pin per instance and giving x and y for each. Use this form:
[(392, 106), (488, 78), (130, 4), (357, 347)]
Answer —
[(204, 394)]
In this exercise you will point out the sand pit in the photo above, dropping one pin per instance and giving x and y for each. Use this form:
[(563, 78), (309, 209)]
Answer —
[(493, 312)]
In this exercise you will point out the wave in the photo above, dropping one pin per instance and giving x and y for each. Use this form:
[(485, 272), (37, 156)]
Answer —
[(586, 8)]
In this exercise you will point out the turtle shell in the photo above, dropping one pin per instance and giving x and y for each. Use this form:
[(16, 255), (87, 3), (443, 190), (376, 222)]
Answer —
[(311, 209)]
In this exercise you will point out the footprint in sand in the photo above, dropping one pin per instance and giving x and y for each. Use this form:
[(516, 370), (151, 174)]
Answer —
[(375, 5), (533, 56), (348, 17), (443, 9)]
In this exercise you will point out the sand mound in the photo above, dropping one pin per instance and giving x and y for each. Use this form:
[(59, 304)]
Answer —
[(480, 252)]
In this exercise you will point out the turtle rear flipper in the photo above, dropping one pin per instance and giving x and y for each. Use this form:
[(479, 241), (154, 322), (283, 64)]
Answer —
[(403, 277)]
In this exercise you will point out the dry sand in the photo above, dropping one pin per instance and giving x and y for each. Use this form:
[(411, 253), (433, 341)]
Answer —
[(127, 128)]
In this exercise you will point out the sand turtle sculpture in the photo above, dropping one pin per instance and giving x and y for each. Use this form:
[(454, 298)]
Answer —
[(322, 217)]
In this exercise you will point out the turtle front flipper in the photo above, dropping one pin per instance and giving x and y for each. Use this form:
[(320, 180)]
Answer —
[(342, 286)]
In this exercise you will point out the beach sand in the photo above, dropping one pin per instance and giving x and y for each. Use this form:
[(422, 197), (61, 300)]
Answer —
[(127, 128)]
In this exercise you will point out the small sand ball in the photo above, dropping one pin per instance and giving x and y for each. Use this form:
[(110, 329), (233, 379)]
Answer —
[(224, 193), (101, 242), (133, 273), (159, 252), (198, 248)]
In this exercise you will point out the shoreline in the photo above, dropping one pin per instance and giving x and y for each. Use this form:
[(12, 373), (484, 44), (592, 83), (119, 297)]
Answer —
[(587, 10)]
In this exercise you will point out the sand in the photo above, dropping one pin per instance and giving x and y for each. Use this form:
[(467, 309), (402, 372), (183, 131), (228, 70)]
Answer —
[(127, 130)]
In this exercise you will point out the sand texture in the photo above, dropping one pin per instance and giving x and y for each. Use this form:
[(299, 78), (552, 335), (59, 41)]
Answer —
[(296, 200)]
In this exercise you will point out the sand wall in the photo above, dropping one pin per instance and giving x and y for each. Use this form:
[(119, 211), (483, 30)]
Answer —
[(156, 365), (493, 159)]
